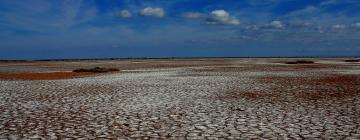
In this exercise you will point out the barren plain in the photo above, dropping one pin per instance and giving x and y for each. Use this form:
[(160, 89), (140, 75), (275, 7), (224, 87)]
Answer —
[(181, 99)]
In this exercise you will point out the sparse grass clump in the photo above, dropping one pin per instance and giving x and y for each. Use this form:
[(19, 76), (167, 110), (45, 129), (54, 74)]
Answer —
[(96, 70), (301, 62)]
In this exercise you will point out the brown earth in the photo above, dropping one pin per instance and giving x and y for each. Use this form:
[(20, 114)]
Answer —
[(42, 76), (303, 88)]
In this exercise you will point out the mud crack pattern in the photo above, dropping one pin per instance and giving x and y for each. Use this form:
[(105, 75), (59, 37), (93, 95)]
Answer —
[(184, 103)]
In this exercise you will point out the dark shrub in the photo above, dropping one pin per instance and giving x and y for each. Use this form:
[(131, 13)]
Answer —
[(96, 70), (352, 60), (301, 62)]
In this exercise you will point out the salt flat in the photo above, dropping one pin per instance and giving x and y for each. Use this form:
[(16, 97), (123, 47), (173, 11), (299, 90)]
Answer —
[(185, 99)]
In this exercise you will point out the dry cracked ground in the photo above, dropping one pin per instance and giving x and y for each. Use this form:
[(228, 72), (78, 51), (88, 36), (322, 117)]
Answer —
[(184, 99)]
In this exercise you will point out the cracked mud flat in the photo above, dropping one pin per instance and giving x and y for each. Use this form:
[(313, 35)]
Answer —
[(227, 99)]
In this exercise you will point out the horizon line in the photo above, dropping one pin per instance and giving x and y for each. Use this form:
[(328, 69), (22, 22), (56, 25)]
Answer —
[(125, 58)]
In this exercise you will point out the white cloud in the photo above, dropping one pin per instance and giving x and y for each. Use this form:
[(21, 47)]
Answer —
[(306, 11), (222, 17), (192, 15), (253, 27), (153, 12), (334, 2), (64, 15), (339, 26), (356, 25), (277, 24), (300, 23), (124, 14)]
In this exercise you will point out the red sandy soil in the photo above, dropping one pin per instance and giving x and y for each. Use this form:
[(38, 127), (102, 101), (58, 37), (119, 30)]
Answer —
[(330, 86), (309, 88), (42, 76)]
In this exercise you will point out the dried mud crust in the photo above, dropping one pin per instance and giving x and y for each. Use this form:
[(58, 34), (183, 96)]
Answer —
[(302, 89), (164, 104), (269, 67), (318, 106), (321, 87)]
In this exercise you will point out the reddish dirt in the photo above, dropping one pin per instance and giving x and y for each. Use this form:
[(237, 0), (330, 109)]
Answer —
[(42, 76), (329, 87), (313, 88)]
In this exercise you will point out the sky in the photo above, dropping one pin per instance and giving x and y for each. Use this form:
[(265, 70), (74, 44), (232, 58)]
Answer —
[(51, 29)]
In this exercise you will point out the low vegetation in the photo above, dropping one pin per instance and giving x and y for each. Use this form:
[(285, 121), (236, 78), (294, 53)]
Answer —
[(352, 60), (301, 62), (96, 70)]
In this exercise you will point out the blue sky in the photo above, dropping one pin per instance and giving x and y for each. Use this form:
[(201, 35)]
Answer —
[(40, 29)]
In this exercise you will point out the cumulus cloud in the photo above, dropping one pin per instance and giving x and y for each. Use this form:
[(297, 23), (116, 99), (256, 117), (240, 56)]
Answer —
[(153, 12), (192, 15), (124, 14), (222, 17), (276, 24), (356, 25), (339, 26)]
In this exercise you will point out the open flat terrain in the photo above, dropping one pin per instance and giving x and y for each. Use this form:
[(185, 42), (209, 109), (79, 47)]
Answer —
[(181, 99)]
